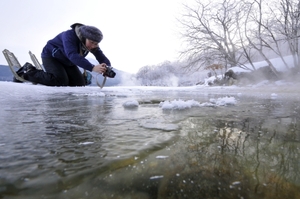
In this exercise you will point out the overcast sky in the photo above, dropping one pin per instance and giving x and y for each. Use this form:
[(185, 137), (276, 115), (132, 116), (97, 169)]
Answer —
[(136, 32)]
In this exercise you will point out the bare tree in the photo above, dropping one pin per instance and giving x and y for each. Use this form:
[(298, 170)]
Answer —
[(157, 75), (211, 34), (289, 25), (255, 35), (246, 51), (268, 27), (143, 75), (231, 32)]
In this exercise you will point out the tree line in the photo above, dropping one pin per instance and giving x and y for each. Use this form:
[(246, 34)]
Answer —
[(230, 33), (236, 32)]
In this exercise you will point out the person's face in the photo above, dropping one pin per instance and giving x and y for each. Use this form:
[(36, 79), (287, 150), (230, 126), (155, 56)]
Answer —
[(91, 44)]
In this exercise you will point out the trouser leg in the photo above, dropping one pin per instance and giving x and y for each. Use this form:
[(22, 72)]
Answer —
[(57, 74), (75, 76)]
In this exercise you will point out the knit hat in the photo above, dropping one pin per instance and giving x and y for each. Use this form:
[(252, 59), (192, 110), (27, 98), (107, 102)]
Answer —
[(91, 33)]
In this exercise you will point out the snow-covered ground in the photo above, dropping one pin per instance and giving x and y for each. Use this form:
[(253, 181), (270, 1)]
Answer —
[(10, 89)]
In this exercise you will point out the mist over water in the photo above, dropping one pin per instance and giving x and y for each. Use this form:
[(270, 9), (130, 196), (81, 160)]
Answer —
[(87, 143)]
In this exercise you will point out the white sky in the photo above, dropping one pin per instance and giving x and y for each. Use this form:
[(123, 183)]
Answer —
[(136, 32)]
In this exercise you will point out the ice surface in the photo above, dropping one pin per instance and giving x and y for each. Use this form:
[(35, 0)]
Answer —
[(154, 123), (10, 90)]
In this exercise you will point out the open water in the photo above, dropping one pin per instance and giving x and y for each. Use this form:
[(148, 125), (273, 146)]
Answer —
[(83, 143)]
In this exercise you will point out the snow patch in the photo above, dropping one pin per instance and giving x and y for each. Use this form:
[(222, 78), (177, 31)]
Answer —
[(274, 96), (180, 104), (224, 101), (131, 104)]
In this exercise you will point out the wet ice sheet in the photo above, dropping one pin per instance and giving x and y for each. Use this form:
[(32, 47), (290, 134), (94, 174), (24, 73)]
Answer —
[(71, 134)]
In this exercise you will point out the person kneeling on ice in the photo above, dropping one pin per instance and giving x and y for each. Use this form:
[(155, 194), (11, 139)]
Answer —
[(64, 53)]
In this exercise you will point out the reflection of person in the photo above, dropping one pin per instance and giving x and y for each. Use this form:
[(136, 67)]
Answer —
[(64, 53)]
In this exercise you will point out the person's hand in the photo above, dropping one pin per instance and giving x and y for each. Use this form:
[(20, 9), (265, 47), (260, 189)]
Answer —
[(101, 68)]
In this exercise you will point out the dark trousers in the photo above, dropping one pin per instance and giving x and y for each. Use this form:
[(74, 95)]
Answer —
[(57, 74)]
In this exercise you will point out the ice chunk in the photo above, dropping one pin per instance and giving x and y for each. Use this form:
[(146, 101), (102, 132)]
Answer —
[(178, 104), (156, 177), (161, 157), (86, 143), (131, 104)]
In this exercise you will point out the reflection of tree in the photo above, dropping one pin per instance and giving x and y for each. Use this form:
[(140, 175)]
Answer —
[(240, 159)]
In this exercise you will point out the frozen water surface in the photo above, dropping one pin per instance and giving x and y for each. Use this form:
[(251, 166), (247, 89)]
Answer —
[(149, 142)]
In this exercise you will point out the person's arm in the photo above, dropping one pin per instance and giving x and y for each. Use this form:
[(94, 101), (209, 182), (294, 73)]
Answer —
[(70, 46), (101, 58)]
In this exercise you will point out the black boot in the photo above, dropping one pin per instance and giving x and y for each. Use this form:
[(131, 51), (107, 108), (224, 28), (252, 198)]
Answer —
[(27, 67)]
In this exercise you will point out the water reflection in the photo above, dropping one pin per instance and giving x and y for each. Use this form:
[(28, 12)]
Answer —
[(249, 157), (243, 159)]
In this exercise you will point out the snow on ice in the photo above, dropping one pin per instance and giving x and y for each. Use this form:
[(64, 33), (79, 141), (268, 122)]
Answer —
[(131, 104), (180, 104)]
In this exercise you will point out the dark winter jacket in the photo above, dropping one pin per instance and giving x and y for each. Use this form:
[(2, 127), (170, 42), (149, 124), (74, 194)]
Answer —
[(67, 48)]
